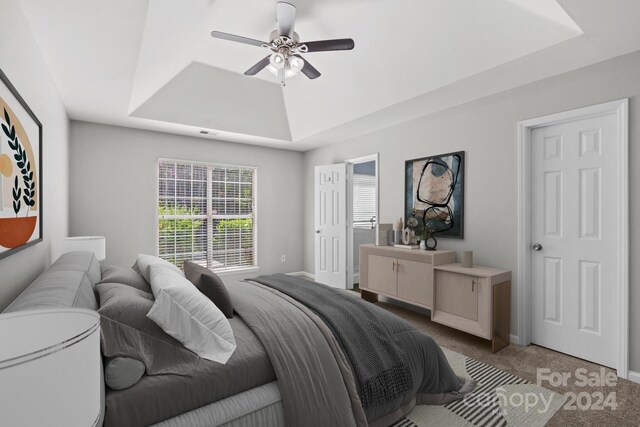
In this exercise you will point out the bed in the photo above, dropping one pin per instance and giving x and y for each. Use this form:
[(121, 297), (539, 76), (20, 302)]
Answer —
[(305, 355)]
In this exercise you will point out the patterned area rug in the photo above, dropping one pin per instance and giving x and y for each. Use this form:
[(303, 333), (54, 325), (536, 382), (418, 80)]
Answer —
[(500, 399)]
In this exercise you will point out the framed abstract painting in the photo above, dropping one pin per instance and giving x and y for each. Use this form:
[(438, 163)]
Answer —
[(20, 172), (434, 193)]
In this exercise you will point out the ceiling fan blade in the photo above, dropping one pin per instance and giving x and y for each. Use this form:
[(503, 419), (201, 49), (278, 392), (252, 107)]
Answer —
[(234, 38), (328, 45), (308, 69), (285, 18), (258, 67)]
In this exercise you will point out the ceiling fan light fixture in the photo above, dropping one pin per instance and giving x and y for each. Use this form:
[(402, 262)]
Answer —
[(277, 61), (293, 67), (296, 63)]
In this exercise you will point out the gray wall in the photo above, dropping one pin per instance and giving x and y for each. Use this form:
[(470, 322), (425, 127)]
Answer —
[(113, 190), (486, 130), (22, 62)]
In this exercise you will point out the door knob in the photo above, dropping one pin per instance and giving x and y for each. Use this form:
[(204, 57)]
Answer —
[(317, 231), (536, 247)]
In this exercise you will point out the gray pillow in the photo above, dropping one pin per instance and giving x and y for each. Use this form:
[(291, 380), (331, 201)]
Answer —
[(122, 372), (126, 331), (211, 285), (125, 275)]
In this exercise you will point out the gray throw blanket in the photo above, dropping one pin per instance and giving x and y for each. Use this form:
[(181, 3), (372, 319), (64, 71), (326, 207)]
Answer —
[(379, 364)]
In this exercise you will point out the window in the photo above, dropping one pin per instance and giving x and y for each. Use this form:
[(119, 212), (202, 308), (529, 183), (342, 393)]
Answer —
[(364, 201), (207, 214)]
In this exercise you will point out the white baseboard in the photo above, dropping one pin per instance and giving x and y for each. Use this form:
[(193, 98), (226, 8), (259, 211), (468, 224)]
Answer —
[(304, 274), (296, 273), (514, 339), (633, 376)]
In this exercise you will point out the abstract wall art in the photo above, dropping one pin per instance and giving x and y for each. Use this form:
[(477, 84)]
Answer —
[(434, 193), (20, 172)]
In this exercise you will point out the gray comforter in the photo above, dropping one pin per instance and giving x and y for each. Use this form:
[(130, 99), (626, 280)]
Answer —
[(314, 377), (379, 363), (433, 379)]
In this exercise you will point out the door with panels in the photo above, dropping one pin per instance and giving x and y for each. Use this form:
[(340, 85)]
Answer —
[(574, 227), (330, 225)]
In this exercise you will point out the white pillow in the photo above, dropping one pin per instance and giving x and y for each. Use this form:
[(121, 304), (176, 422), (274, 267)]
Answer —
[(186, 314), (145, 261)]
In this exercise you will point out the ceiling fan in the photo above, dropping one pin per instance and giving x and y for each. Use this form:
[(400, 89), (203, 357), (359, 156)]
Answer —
[(285, 46)]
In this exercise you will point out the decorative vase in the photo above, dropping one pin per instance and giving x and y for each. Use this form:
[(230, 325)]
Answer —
[(406, 236), (423, 245), (467, 259), (431, 243)]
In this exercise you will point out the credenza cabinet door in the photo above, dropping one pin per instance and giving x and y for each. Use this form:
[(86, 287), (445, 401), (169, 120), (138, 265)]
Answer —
[(401, 274), (383, 274), (415, 281), (457, 294), (464, 301)]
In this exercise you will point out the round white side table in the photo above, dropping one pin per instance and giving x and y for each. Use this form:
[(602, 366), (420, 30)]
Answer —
[(50, 368)]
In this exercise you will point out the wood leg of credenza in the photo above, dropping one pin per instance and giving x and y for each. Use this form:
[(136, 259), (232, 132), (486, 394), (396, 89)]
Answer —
[(498, 344), (501, 316), (368, 296)]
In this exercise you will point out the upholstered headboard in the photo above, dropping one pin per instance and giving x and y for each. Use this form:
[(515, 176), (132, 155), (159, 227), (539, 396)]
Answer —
[(69, 282)]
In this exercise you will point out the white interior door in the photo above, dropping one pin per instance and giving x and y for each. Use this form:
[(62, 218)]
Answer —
[(331, 225), (575, 219)]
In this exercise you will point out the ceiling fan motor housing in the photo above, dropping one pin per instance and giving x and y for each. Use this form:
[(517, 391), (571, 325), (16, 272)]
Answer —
[(274, 35)]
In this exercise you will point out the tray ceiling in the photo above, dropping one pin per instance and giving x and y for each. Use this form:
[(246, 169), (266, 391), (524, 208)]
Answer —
[(153, 65)]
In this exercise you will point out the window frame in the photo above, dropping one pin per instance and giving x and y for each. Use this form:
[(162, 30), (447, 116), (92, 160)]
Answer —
[(371, 219), (210, 217)]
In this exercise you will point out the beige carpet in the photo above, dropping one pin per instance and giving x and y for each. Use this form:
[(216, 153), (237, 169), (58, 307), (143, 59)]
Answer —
[(524, 362)]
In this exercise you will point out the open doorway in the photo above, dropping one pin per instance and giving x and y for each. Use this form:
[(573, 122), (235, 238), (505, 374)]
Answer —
[(362, 202)]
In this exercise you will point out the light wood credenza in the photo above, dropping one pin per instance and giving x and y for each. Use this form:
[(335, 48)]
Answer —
[(475, 300)]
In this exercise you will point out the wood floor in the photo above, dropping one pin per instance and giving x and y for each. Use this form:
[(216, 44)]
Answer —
[(524, 362)]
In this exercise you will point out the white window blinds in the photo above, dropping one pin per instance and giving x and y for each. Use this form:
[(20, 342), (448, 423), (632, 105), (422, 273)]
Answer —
[(364, 201), (206, 214)]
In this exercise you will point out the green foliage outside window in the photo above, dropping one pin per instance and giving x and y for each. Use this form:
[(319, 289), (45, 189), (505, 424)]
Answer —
[(242, 226), (184, 235), (178, 226), (180, 235)]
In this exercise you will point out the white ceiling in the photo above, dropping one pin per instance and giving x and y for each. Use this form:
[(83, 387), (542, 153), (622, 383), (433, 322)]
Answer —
[(153, 65)]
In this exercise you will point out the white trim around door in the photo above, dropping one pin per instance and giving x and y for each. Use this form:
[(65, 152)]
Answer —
[(620, 108), (364, 159)]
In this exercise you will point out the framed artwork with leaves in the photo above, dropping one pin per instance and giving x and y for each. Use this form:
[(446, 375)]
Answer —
[(20, 172)]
